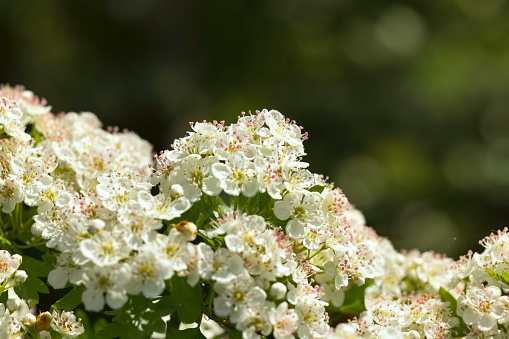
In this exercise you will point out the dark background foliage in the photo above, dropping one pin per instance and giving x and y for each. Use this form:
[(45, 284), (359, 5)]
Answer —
[(405, 102)]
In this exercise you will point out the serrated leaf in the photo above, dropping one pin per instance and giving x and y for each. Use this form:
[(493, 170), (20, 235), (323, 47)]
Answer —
[(189, 298), (190, 333), (30, 289), (505, 275), (112, 330), (35, 267), (498, 276), (49, 260), (71, 300)]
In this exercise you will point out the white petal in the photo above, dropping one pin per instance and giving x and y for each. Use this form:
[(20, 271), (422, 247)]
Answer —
[(220, 170), (116, 299), (221, 309), (234, 243), (58, 278), (211, 186), (250, 188), (153, 288), (282, 209), (294, 229), (93, 299)]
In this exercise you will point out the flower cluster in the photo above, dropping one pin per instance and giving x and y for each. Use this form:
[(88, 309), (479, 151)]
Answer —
[(234, 210), (16, 319)]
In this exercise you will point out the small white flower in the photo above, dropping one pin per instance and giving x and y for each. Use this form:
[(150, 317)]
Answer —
[(237, 175), (66, 323)]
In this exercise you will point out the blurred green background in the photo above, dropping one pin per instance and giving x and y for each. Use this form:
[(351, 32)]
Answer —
[(406, 102)]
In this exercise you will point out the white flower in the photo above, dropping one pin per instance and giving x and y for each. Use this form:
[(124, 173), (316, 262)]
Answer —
[(303, 209), (11, 193), (150, 270), (285, 321), (194, 175), (29, 320), (8, 265), (66, 323), (237, 295), (105, 280), (483, 307), (237, 175), (165, 206), (11, 119), (104, 248), (117, 191), (221, 265)]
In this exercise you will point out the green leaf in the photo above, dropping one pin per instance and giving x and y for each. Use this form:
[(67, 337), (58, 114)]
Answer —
[(252, 203), (447, 297), (189, 298), (49, 260), (34, 266), (30, 289), (457, 331), (190, 333), (112, 330), (505, 275), (264, 199), (71, 300), (141, 316), (234, 334), (317, 188), (500, 277)]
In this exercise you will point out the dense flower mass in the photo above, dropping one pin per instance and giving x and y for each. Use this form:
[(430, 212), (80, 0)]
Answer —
[(270, 248)]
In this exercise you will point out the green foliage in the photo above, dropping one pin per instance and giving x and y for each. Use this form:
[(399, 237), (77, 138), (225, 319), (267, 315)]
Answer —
[(138, 318), (458, 330), (317, 188), (504, 277), (190, 333), (189, 299), (354, 299), (33, 286), (264, 200), (71, 300), (201, 210), (352, 306)]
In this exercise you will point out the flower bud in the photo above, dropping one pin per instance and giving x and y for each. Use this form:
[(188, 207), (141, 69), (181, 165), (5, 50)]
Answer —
[(176, 191), (95, 225), (13, 304), (187, 229), (43, 322), (20, 276), (16, 260), (278, 290), (44, 335), (29, 320)]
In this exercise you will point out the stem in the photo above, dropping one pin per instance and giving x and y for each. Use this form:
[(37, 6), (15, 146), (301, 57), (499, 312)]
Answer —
[(266, 207), (33, 244), (19, 208), (311, 257), (317, 266)]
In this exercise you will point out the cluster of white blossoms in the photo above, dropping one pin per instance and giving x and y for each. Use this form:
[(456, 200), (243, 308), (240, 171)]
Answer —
[(235, 208), (17, 320)]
